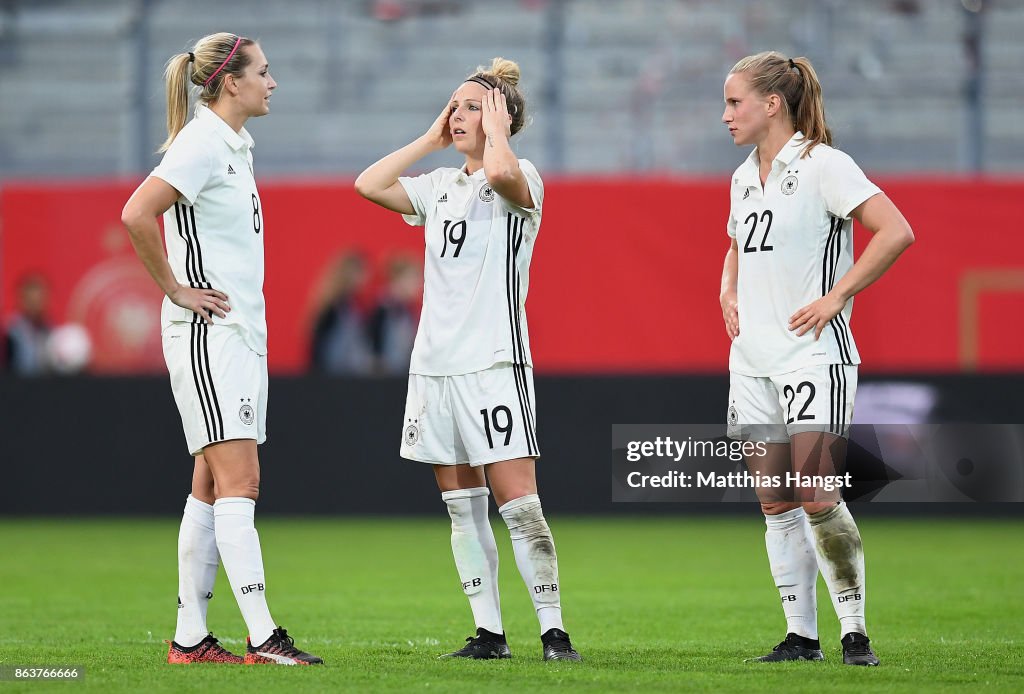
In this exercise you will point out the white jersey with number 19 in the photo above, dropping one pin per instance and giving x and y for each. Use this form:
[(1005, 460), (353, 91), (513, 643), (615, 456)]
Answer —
[(794, 238), (476, 271)]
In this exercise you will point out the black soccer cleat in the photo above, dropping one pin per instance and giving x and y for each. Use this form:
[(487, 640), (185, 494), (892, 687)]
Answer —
[(795, 647), (857, 650), (557, 646), (485, 645), (279, 649)]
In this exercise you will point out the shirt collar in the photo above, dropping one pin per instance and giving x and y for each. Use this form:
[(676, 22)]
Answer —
[(791, 150), (751, 175), (475, 176), (236, 141)]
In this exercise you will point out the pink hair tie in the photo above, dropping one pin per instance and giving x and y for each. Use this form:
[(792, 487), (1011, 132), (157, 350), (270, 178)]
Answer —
[(235, 48)]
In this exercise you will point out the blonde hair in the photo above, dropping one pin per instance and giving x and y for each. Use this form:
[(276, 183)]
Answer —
[(204, 67), (503, 74), (796, 83)]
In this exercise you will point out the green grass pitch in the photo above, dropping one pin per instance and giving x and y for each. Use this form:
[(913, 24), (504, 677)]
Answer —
[(663, 604)]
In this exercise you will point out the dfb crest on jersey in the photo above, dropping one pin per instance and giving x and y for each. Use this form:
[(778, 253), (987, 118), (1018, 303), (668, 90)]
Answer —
[(789, 185), (247, 414), (734, 416), (412, 433), (487, 193)]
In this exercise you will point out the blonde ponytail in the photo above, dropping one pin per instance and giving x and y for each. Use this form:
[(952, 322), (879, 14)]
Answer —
[(177, 77), (796, 82), (204, 67), (809, 109)]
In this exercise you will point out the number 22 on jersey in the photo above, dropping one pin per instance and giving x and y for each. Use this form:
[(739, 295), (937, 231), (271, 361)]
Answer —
[(753, 222)]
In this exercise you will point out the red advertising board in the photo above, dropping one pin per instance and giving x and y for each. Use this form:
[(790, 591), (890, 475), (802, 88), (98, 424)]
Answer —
[(625, 274)]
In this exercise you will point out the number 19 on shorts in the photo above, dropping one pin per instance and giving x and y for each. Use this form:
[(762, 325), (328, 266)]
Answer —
[(499, 419)]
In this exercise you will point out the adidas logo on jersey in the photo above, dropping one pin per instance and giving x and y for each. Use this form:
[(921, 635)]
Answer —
[(443, 198), (230, 169)]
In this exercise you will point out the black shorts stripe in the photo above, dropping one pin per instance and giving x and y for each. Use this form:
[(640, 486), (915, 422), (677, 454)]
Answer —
[(837, 406), (209, 375), (203, 378), (842, 417), (832, 399), (196, 371), (513, 229)]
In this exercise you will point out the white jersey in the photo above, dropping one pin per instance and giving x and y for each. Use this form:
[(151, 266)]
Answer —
[(214, 231), (795, 240), (476, 272)]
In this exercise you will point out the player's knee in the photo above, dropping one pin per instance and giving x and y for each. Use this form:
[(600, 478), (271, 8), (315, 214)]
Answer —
[(812, 508), (248, 488), (524, 517), (774, 508), (509, 494), (206, 495)]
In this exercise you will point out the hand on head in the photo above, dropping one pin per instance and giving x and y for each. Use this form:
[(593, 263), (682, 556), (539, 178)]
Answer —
[(440, 133), (496, 118)]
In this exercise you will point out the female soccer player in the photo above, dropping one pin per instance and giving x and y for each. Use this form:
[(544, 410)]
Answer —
[(787, 294), (214, 332), (471, 399)]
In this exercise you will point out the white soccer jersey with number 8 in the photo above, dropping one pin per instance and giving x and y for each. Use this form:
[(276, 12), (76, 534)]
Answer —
[(214, 231)]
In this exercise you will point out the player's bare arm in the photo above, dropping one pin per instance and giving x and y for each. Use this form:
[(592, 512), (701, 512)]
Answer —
[(501, 165), (891, 235), (379, 182), (728, 298), (149, 201)]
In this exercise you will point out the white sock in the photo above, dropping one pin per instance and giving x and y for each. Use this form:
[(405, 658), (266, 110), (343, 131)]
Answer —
[(476, 554), (239, 546), (841, 558), (197, 570), (795, 570), (535, 556)]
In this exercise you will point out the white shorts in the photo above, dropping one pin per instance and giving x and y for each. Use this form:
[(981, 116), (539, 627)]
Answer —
[(219, 384), (772, 408), (476, 418)]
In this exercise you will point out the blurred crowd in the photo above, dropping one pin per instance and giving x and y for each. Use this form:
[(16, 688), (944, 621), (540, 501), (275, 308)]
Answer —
[(362, 322), (364, 319), (32, 344)]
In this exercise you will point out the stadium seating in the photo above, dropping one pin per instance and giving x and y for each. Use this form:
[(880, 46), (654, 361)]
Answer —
[(620, 85)]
